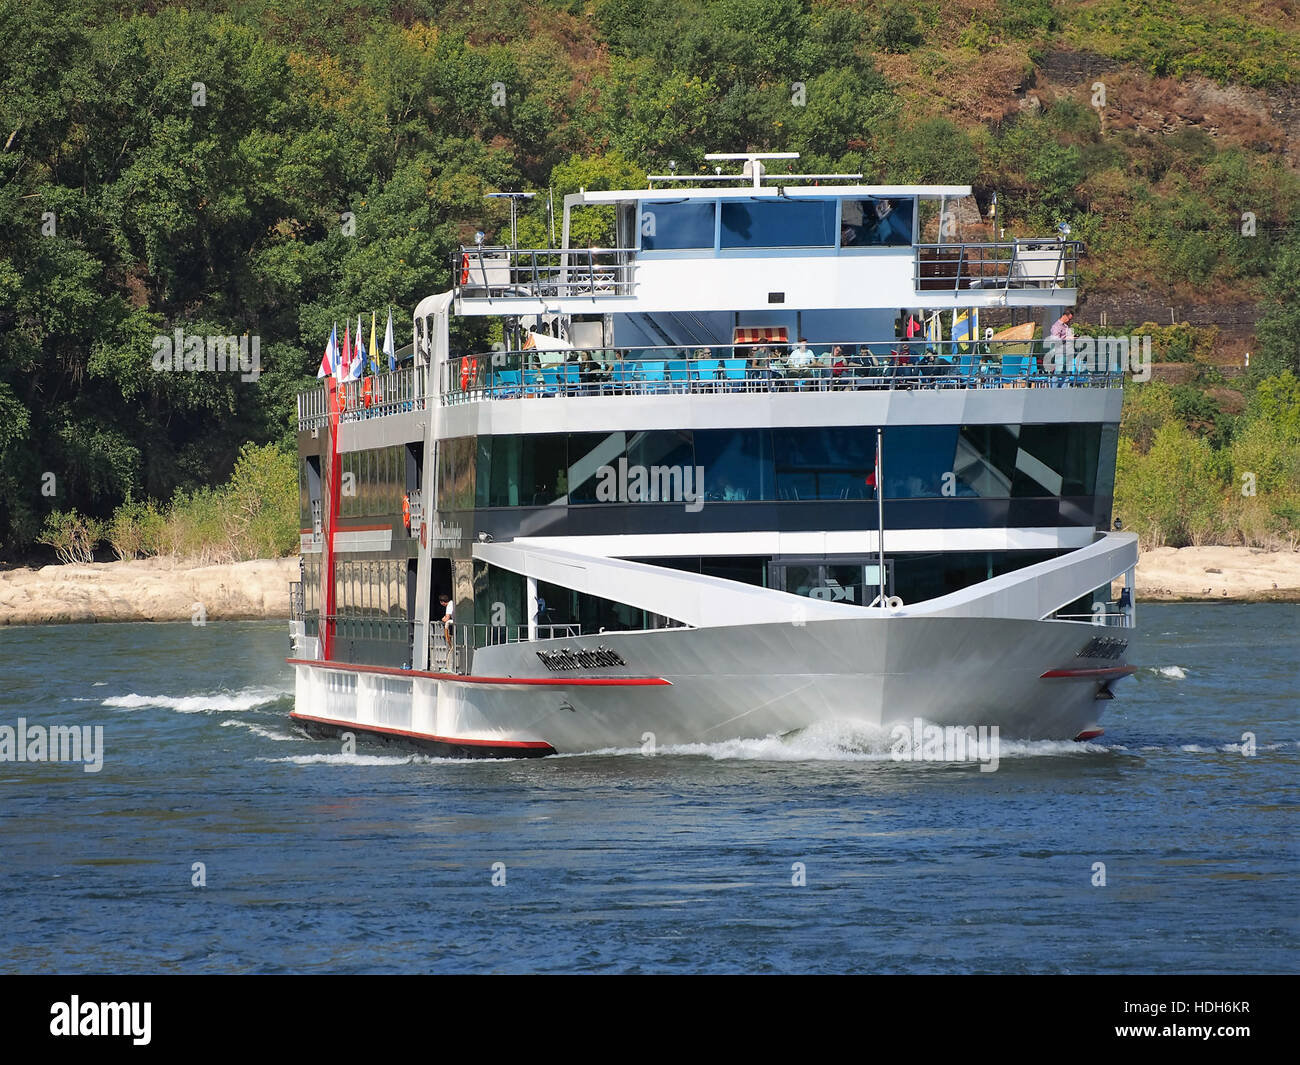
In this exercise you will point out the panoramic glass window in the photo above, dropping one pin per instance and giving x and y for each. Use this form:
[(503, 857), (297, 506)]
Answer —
[(1056, 460), (737, 464), (778, 223), (823, 463), (668, 226), (876, 222)]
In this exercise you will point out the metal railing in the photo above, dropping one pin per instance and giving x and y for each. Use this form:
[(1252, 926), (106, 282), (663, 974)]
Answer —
[(756, 368), (1016, 264), (538, 273), (297, 603), (372, 396), (495, 635), (1108, 619), (370, 627)]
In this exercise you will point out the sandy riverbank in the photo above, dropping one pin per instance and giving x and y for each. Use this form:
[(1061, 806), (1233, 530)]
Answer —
[(1248, 574), (165, 590), (152, 589)]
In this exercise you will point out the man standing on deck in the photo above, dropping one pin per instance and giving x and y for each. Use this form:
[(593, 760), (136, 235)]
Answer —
[(1062, 335)]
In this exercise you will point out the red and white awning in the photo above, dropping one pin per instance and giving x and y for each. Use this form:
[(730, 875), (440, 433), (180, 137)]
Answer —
[(761, 334)]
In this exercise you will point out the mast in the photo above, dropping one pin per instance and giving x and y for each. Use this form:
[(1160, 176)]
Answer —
[(880, 512)]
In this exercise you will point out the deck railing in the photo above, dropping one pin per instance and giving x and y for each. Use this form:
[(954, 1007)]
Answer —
[(540, 273), (372, 396), (754, 368), (1120, 619), (1015, 264)]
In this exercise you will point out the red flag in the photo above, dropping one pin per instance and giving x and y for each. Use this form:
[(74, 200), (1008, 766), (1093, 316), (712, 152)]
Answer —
[(345, 360), (873, 478)]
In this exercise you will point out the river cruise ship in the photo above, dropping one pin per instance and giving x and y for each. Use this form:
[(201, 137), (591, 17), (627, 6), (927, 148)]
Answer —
[(754, 468)]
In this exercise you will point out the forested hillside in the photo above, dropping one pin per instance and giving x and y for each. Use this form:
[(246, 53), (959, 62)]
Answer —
[(268, 167)]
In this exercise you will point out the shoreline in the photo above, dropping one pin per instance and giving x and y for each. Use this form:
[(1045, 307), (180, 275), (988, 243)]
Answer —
[(162, 589), (152, 589)]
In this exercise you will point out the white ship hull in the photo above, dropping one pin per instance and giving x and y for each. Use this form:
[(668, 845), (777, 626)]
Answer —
[(1034, 679)]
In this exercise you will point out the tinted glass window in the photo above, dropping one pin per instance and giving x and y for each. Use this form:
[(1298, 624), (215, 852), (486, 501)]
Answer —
[(737, 464), (864, 223), (677, 225), (778, 224)]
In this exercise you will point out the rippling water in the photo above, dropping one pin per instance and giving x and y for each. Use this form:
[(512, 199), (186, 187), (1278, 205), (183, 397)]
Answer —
[(383, 862)]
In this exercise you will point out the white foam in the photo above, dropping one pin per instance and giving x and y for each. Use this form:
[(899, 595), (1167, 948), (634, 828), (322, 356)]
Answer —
[(1172, 672), (357, 759), (219, 702), (841, 741), (258, 730)]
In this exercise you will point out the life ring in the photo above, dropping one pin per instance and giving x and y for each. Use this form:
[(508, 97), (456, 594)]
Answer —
[(468, 372), (406, 512), (464, 269)]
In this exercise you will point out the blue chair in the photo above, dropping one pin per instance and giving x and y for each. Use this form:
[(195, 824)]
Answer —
[(624, 375), (508, 383), (653, 376), (707, 369), (679, 373), (734, 370)]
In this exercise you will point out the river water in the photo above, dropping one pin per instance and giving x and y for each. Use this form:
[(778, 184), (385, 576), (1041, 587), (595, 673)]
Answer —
[(215, 838)]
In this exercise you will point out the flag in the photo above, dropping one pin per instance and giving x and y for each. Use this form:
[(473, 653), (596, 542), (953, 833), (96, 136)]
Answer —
[(873, 478), (390, 349), (965, 327), (345, 362), (358, 367), (330, 359), (374, 351), (934, 328)]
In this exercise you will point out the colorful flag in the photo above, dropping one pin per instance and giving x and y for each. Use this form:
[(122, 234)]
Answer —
[(965, 327), (390, 349), (374, 351), (330, 359), (358, 367), (345, 361)]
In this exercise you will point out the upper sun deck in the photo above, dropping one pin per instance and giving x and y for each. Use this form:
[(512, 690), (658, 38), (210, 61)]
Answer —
[(776, 240)]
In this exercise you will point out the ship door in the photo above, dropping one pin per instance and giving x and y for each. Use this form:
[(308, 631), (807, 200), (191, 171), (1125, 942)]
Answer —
[(314, 495)]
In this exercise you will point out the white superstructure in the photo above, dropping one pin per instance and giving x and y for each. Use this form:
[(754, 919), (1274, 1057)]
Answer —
[(662, 503)]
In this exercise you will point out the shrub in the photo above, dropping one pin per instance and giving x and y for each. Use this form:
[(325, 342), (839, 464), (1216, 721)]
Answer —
[(73, 536), (136, 529)]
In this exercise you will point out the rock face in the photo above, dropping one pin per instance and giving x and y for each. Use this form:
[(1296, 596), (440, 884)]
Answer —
[(147, 590)]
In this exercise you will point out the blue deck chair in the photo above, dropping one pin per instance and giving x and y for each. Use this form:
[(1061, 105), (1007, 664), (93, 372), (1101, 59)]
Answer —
[(734, 373), (508, 383), (653, 376)]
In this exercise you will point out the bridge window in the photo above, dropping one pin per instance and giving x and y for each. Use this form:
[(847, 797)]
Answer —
[(876, 222), (684, 224), (778, 223)]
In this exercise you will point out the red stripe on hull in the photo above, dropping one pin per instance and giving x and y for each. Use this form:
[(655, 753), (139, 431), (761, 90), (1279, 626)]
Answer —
[(556, 682), (1089, 674), (528, 747)]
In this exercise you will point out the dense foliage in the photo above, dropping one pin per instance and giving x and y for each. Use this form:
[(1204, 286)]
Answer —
[(268, 167)]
